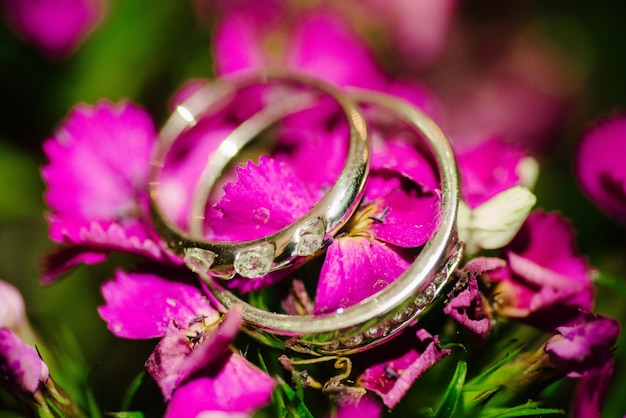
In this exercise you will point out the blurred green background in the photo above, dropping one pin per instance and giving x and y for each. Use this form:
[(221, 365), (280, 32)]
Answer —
[(143, 51)]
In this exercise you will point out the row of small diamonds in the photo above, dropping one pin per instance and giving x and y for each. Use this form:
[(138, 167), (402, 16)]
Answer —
[(398, 319), (390, 325)]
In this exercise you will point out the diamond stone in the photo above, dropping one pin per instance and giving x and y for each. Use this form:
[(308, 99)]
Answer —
[(353, 341), (256, 261), (198, 260), (377, 331), (401, 316), (310, 237), (420, 301)]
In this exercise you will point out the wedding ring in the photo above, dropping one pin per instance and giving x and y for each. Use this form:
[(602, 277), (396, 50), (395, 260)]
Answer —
[(397, 306), (292, 244)]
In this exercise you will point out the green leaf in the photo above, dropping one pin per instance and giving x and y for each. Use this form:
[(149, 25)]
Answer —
[(131, 390), (128, 414), (290, 404), (529, 409), (610, 282), (453, 392), (475, 383)]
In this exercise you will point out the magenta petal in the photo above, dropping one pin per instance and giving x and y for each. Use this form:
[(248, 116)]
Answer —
[(392, 378), (91, 242), (324, 45), (591, 390), (408, 219), (97, 178), (488, 169), (356, 268), (168, 358), (237, 45), (479, 265), (99, 162), (20, 364), (400, 156), (308, 134), (63, 259), (466, 307), (600, 166), (367, 407), (550, 287), (141, 305), (181, 174), (54, 26), (105, 236), (548, 240), (237, 386), (584, 345), (265, 199)]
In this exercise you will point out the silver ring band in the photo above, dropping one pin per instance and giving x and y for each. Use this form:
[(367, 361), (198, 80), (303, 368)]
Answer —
[(294, 243), (383, 315)]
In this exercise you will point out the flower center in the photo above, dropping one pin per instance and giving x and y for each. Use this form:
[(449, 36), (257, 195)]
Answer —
[(198, 328), (359, 225)]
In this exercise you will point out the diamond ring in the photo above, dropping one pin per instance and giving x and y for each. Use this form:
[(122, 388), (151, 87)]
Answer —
[(290, 245), (398, 305)]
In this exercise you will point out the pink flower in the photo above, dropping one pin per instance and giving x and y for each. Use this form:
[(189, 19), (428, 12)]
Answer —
[(318, 42), (20, 365), (583, 345), (600, 168), (545, 282), (56, 27), (97, 179), (192, 363), (420, 29), (584, 349)]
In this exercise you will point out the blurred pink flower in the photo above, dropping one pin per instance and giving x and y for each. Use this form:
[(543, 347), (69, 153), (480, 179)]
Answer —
[(366, 407), (600, 167), (56, 27), (97, 185), (419, 29), (502, 83), (545, 282), (20, 365), (583, 345), (12, 311), (319, 42), (584, 349)]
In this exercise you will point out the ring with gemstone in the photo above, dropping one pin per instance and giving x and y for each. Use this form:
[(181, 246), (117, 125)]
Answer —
[(398, 305), (296, 242)]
